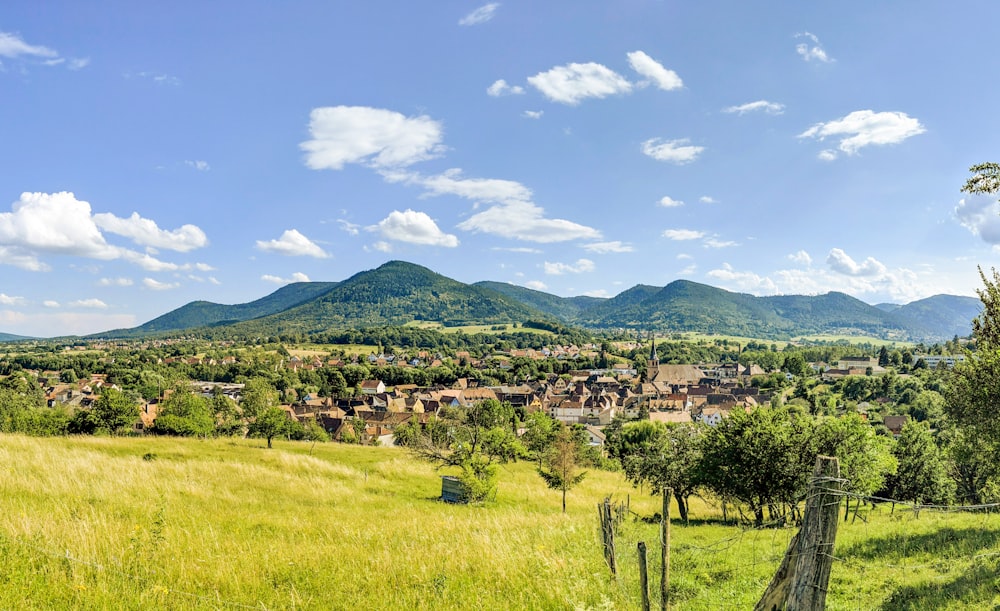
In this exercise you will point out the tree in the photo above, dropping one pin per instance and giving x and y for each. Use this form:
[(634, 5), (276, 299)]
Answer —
[(985, 179), (761, 458), (923, 475), (540, 431), (559, 468), (258, 396), (270, 423), (669, 460), (866, 458), (115, 411), (184, 413)]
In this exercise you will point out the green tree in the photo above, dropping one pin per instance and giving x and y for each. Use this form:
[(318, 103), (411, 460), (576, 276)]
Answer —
[(559, 467), (258, 396), (540, 431), (760, 458), (115, 411), (270, 423), (866, 458), (923, 473), (669, 460), (184, 413)]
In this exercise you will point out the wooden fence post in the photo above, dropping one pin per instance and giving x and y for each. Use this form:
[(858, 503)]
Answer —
[(665, 551), (607, 534), (804, 574), (643, 576)]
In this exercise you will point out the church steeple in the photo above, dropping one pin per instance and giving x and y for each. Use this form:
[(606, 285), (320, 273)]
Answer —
[(653, 364)]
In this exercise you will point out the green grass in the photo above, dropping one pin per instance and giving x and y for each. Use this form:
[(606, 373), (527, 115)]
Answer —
[(88, 523)]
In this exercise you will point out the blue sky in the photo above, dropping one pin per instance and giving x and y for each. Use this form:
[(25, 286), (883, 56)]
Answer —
[(159, 153)]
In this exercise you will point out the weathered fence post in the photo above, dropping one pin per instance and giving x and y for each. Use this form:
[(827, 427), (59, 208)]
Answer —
[(643, 576), (607, 534), (804, 574), (665, 551)]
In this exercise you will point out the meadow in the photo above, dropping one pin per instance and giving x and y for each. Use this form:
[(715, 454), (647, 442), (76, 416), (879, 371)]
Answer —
[(168, 523)]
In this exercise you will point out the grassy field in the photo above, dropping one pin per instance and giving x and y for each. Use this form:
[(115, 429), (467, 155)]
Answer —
[(162, 523)]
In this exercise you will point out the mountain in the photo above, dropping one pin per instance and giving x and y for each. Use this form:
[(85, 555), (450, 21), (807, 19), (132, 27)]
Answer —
[(10, 337), (206, 313), (563, 308), (940, 316), (397, 293)]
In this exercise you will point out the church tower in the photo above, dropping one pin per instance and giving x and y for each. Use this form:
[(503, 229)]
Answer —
[(653, 364)]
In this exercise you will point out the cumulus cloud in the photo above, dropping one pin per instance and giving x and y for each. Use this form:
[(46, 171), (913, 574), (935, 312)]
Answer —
[(678, 151), (156, 285), (771, 108), (88, 303), (532, 114), (55, 223), (811, 50), (349, 227), (608, 247), (558, 269), (374, 136), (201, 166), (864, 128), (707, 199), (414, 228), (748, 282), (839, 261), (8, 300), (51, 303), (981, 216), (654, 71), (292, 244), (480, 15), (600, 293), (451, 182), (572, 83), (296, 277), (145, 232), (501, 88), (801, 257), (683, 234), (13, 46), (538, 285), (522, 220), (518, 249), (717, 243), (668, 202), (115, 282)]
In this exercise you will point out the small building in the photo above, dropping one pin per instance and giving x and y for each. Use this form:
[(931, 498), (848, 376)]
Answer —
[(452, 490)]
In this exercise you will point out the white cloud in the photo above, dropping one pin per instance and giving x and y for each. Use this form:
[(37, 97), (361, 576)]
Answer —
[(523, 220), (683, 234), (293, 244), (668, 202), (532, 114), (114, 282), (501, 88), (812, 51), (771, 108), (743, 281), (159, 286), (56, 223), (201, 166), (145, 232), (413, 227), (707, 199), (538, 285), (480, 15), (88, 303), (54, 324), (672, 151), (717, 243), (981, 216), (359, 134), (382, 246), (156, 78), (296, 277), (572, 83), (608, 247), (451, 182), (12, 46), (827, 155), (51, 303), (839, 261), (801, 257), (518, 249), (654, 71), (864, 128), (78, 63), (8, 300), (600, 293), (349, 227), (558, 269)]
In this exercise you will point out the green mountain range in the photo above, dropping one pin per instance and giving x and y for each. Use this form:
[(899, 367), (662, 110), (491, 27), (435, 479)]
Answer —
[(399, 293)]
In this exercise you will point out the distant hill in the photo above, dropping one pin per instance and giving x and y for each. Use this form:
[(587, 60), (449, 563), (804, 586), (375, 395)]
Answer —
[(205, 313), (10, 337), (399, 293)]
